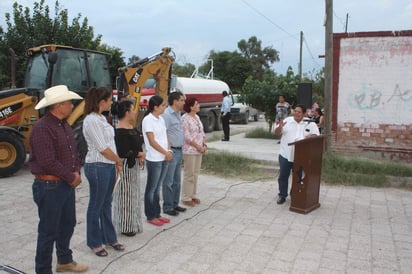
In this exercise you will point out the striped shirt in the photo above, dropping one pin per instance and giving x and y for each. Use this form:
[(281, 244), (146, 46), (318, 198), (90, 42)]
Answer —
[(99, 135)]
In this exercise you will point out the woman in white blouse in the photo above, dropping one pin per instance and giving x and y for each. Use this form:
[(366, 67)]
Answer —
[(100, 168)]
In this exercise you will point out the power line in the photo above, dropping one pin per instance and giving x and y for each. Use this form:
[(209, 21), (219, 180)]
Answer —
[(268, 19), (340, 20), (310, 52)]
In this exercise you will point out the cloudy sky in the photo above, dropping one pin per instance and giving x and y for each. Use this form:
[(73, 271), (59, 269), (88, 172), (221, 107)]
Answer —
[(192, 27)]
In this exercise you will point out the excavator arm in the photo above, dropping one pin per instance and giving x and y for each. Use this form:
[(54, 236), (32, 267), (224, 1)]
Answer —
[(133, 76)]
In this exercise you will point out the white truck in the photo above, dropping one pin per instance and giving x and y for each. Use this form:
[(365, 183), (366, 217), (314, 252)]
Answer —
[(207, 92), (209, 95), (240, 112)]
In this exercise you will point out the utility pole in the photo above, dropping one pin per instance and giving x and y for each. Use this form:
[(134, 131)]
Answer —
[(346, 24), (328, 72), (300, 56)]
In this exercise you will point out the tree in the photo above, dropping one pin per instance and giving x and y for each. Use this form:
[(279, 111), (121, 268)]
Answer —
[(264, 95), (261, 59), (185, 70), (318, 86), (25, 30), (133, 59), (229, 67)]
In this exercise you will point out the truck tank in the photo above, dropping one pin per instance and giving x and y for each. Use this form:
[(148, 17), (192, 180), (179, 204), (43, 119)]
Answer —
[(207, 92), (209, 95)]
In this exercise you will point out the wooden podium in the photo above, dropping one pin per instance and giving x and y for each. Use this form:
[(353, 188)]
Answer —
[(307, 167)]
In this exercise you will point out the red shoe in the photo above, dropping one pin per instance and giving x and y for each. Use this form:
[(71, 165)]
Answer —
[(196, 200), (155, 222), (164, 220)]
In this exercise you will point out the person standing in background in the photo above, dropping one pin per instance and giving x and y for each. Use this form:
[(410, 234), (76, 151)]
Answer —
[(55, 163), (193, 149), (126, 196), (291, 129), (158, 154), (282, 109), (225, 115), (172, 180), (100, 168), (319, 119)]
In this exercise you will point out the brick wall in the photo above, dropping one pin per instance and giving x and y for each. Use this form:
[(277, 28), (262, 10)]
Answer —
[(372, 94)]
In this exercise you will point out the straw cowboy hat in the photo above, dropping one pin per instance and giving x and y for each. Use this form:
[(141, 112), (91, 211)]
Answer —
[(57, 94)]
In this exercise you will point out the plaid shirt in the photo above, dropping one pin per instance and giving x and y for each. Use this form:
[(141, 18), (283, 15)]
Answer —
[(53, 149)]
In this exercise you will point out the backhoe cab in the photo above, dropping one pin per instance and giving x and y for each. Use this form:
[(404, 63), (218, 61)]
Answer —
[(47, 66)]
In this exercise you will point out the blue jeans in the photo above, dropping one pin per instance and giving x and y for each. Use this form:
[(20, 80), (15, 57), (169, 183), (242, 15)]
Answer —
[(156, 172), (284, 172), (57, 213), (100, 229), (171, 183)]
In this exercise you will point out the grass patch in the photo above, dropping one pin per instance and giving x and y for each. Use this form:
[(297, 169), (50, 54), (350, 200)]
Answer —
[(214, 137), (337, 169), (261, 133), (229, 165)]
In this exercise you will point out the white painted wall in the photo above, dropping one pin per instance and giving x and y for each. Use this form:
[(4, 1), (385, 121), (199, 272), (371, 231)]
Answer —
[(375, 81)]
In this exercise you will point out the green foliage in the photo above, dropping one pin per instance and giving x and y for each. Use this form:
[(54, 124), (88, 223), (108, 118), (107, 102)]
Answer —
[(352, 171), (133, 59), (264, 95), (261, 59), (26, 30), (185, 70), (229, 67), (318, 85)]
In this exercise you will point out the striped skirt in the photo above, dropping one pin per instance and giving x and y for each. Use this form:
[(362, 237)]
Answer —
[(127, 210)]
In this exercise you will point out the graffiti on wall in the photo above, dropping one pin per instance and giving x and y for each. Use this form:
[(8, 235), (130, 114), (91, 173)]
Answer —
[(375, 82)]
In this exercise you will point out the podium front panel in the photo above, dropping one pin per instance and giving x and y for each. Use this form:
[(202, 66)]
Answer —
[(307, 169)]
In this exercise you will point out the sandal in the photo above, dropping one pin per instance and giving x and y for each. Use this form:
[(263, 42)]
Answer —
[(117, 247), (101, 253)]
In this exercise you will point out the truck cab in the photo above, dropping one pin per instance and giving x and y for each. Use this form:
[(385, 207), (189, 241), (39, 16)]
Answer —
[(241, 112)]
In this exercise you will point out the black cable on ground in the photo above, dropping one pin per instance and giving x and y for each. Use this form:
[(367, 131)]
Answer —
[(175, 225)]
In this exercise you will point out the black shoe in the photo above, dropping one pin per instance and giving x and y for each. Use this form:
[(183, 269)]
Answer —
[(180, 209), (172, 212), (129, 234), (281, 200), (225, 140)]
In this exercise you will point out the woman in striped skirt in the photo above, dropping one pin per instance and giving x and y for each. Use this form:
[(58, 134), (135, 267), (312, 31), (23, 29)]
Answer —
[(127, 202)]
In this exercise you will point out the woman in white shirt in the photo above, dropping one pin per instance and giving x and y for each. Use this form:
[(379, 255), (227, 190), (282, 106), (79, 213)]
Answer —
[(158, 154), (100, 168)]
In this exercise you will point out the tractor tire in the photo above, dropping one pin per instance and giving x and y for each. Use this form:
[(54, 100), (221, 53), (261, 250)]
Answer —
[(80, 140), (12, 153)]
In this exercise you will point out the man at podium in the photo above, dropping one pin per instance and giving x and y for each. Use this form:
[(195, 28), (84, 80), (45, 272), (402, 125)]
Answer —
[(291, 129)]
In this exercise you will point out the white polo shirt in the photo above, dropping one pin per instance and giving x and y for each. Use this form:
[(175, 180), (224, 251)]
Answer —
[(158, 128), (293, 131)]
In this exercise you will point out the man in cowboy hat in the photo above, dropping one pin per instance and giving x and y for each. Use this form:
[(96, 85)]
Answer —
[(55, 163)]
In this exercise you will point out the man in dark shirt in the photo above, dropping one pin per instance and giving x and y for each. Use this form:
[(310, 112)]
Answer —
[(55, 163)]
